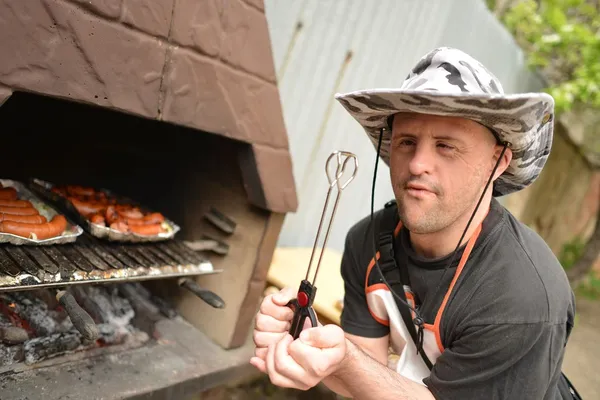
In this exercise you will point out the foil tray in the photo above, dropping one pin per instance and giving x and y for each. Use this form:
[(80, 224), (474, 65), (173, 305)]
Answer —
[(68, 236), (44, 189)]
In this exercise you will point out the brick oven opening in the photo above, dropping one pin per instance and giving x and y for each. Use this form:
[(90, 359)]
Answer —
[(157, 163)]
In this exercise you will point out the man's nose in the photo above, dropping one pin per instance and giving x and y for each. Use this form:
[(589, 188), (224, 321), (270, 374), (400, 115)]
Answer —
[(421, 161)]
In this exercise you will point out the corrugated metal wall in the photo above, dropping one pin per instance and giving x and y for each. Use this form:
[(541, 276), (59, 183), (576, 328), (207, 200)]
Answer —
[(322, 47)]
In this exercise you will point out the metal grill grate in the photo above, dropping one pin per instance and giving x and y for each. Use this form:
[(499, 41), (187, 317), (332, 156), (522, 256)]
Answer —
[(90, 260)]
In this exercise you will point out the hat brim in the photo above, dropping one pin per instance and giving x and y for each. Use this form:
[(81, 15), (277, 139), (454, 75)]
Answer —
[(525, 120)]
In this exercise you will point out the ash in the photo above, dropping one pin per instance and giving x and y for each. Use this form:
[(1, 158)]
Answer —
[(50, 330), (33, 310)]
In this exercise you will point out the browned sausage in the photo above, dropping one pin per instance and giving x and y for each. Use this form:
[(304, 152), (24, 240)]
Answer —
[(147, 230), (120, 226), (30, 219), (41, 231), (18, 210), (86, 208), (129, 211), (8, 193), (98, 219), (15, 203), (76, 190), (150, 219)]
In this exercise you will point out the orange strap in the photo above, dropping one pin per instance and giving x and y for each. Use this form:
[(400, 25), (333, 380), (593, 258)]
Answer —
[(463, 260), (435, 328)]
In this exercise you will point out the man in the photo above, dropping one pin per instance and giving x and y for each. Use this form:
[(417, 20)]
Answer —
[(473, 301)]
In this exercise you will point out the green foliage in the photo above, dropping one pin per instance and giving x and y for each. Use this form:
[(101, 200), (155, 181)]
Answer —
[(590, 287), (571, 252), (562, 40)]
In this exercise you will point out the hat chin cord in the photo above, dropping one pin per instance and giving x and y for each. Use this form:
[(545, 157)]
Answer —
[(418, 320)]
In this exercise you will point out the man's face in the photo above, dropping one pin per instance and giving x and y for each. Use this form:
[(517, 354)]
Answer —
[(439, 167)]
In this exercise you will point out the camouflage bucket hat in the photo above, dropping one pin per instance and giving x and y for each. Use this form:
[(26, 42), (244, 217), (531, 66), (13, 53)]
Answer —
[(449, 82)]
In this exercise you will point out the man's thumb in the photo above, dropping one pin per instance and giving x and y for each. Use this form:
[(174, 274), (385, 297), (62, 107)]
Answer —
[(323, 337)]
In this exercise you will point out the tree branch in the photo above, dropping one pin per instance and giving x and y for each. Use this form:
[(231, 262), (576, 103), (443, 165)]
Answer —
[(589, 255)]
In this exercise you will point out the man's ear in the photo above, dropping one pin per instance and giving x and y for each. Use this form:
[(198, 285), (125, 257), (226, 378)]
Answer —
[(504, 162)]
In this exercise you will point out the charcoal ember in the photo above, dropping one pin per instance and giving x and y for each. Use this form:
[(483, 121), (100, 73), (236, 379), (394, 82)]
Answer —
[(47, 296), (64, 323), (4, 321), (10, 354), (162, 305), (115, 310), (13, 334), (111, 334), (33, 310), (42, 348), (139, 302), (88, 304)]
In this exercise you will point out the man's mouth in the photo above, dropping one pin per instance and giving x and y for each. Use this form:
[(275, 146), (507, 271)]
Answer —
[(418, 190)]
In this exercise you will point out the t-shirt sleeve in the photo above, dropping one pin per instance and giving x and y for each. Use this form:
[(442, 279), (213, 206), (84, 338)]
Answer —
[(499, 361), (356, 318)]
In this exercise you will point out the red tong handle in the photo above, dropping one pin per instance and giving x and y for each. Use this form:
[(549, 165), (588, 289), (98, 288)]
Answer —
[(302, 306)]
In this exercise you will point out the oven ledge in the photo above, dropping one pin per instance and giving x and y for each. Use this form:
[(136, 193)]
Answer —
[(182, 362)]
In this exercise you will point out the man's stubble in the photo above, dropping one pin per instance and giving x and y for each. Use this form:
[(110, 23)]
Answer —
[(442, 211)]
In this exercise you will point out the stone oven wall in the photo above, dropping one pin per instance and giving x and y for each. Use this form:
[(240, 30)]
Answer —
[(202, 64)]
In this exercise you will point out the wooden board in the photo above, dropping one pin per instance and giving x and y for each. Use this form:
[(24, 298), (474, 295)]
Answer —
[(288, 268)]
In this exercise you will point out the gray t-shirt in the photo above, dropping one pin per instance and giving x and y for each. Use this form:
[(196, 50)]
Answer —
[(506, 322)]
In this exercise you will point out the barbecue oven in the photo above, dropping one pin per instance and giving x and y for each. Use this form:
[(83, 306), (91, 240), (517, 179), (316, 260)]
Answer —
[(169, 104)]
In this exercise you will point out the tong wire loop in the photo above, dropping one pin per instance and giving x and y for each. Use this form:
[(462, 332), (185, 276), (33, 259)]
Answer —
[(335, 181)]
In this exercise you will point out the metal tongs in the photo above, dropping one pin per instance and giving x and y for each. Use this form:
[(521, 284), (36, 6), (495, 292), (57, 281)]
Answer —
[(302, 304)]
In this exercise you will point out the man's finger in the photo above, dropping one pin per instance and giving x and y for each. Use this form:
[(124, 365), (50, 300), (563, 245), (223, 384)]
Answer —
[(261, 352), (267, 323), (259, 363), (287, 366), (264, 339), (323, 337), (279, 312), (274, 376)]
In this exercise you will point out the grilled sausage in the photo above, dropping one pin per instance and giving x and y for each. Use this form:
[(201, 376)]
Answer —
[(76, 190), (29, 219), (18, 210), (16, 203), (98, 219), (150, 219), (120, 226), (129, 211), (8, 193), (86, 208), (47, 230), (147, 230)]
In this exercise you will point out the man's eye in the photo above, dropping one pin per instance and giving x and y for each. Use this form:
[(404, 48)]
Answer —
[(406, 142), (445, 146)]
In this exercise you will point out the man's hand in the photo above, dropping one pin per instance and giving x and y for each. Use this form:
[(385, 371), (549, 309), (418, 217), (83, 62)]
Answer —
[(303, 363), (273, 321)]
